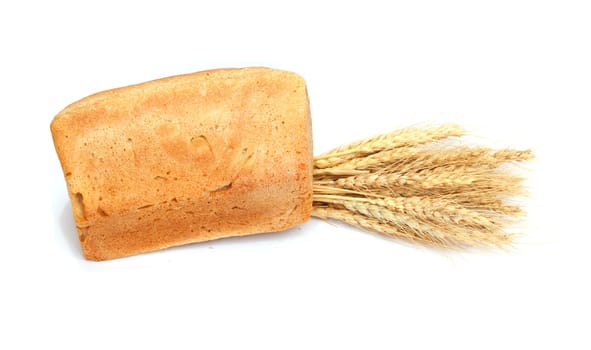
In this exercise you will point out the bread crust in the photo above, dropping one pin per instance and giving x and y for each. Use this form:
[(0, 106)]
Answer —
[(186, 159)]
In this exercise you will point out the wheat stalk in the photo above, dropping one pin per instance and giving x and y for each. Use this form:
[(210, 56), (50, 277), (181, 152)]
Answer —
[(411, 184)]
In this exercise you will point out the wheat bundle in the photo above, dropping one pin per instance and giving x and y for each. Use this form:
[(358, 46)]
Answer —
[(411, 184)]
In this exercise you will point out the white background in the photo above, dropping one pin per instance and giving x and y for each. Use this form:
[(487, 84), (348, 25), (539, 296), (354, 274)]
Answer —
[(514, 73)]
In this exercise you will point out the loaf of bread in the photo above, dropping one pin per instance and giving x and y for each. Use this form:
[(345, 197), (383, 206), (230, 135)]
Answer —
[(186, 159)]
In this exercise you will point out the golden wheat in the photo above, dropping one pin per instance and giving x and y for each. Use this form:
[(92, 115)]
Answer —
[(411, 184), (441, 221), (371, 224), (401, 138)]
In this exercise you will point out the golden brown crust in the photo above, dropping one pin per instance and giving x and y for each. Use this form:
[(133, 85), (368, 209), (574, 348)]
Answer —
[(187, 159)]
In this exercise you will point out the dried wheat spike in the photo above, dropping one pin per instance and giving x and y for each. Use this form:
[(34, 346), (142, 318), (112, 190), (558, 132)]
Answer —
[(401, 138), (412, 185)]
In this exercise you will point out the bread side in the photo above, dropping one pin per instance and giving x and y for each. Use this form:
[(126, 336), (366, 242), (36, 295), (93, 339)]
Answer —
[(187, 159)]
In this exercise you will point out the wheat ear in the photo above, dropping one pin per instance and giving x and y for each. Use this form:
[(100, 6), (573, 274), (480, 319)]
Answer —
[(412, 185)]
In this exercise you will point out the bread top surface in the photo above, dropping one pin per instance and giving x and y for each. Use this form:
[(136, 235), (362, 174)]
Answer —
[(243, 133)]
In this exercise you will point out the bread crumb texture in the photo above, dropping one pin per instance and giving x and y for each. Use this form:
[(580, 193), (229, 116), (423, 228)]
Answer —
[(186, 159)]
